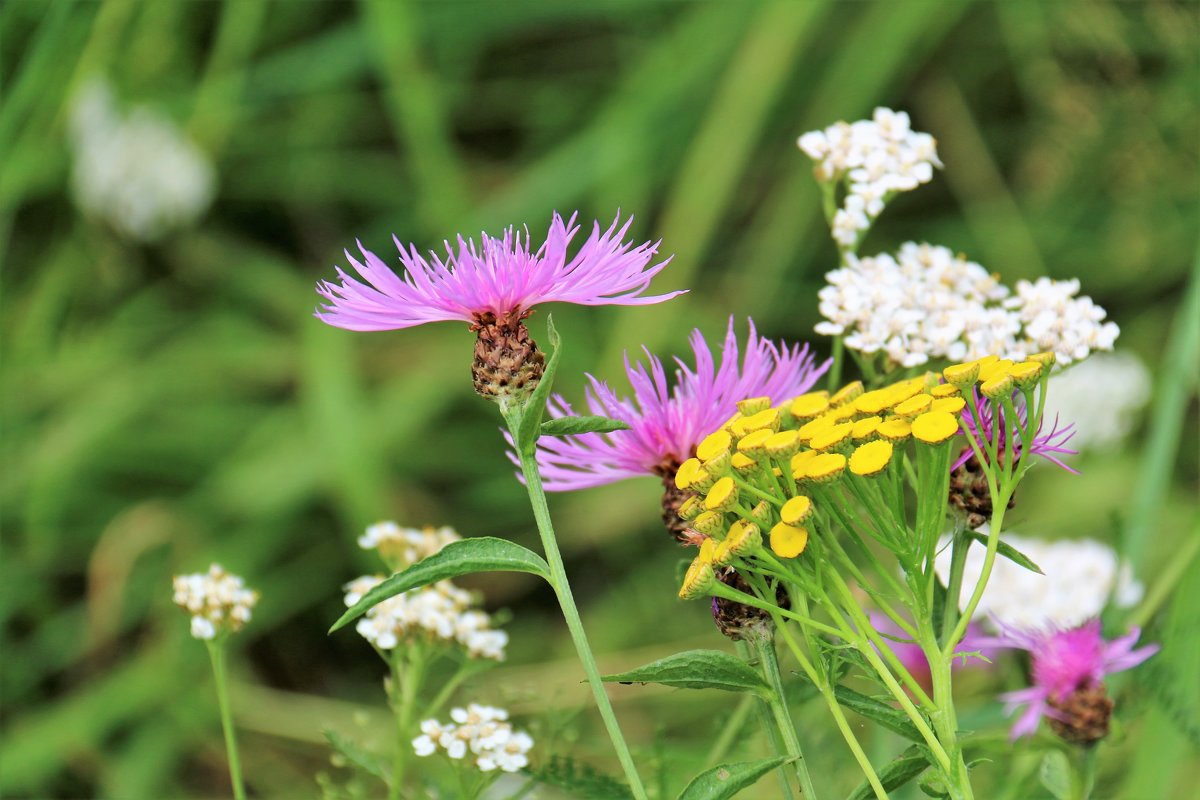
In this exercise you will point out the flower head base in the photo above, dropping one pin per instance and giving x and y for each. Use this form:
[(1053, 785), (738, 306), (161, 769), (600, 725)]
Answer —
[(482, 731), (667, 423), (218, 601), (1068, 671)]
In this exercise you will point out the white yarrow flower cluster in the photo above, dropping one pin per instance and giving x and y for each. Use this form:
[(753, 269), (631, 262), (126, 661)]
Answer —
[(925, 302), (217, 600), (138, 171), (403, 547), (482, 731), (440, 611), (1081, 576), (1102, 397), (877, 158)]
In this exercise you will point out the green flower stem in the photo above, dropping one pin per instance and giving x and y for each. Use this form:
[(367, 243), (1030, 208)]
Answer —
[(566, 601), (216, 653), (835, 369), (406, 683), (444, 694), (944, 716), (999, 506), (765, 648), (730, 730), (958, 561), (835, 709), (770, 727)]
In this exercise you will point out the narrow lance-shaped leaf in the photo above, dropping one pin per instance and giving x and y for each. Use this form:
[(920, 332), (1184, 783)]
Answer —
[(533, 411), (356, 755), (1008, 551), (894, 774), (697, 669), (480, 554), (727, 780), (569, 426), (882, 713)]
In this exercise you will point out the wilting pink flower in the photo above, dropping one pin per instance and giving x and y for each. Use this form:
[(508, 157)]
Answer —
[(499, 277), (665, 423), (1064, 663), (1008, 433), (910, 654)]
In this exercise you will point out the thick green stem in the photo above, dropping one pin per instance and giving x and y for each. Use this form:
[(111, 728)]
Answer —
[(770, 727), (958, 560), (945, 719), (216, 652), (765, 647), (405, 686), (566, 601)]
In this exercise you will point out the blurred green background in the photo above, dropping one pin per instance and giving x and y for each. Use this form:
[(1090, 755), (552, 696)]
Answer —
[(174, 402)]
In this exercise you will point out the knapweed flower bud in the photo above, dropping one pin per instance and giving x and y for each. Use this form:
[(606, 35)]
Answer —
[(848, 393), (962, 375), (218, 601), (723, 495), (1082, 717), (796, 510), (895, 428), (934, 427), (698, 581), (788, 541), (808, 406), (784, 444), (914, 405), (999, 386), (507, 365), (738, 621), (951, 405), (871, 458), (753, 405)]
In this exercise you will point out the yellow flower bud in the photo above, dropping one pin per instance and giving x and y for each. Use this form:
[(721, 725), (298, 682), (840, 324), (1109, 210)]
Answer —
[(935, 427), (688, 473), (743, 538), (902, 390), (691, 508), (761, 514), (865, 427), (831, 437), (848, 393), (997, 387), (713, 445), (698, 580), (753, 405), (951, 405), (913, 405), (944, 390), (784, 444), (813, 427), (995, 369), (1046, 359), (742, 463), (895, 428), (825, 467), (788, 541), (807, 406), (710, 523), (800, 463), (1026, 374), (962, 375), (723, 495), (707, 548), (875, 401), (871, 458), (796, 510)]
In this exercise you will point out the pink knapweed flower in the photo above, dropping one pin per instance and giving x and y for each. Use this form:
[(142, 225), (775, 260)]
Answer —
[(1008, 433), (496, 277), (912, 657), (666, 423), (1068, 671)]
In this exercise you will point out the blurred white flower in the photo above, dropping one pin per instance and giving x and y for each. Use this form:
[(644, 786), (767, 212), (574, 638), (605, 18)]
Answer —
[(403, 547), (1102, 396), (217, 600), (878, 158), (1081, 577), (138, 171), (481, 730)]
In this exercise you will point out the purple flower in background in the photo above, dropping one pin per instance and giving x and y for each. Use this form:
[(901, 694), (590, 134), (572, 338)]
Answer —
[(1068, 671), (910, 654), (1046, 445), (666, 423), (501, 277)]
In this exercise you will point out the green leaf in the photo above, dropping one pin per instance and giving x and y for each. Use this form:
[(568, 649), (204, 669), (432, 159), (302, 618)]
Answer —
[(697, 669), (1008, 551), (1055, 774), (480, 554), (890, 718), (570, 426), (579, 780), (894, 774), (533, 411), (729, 779), (356, 755)]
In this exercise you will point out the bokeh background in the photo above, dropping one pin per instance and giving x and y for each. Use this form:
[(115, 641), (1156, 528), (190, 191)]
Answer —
[(168, 398)]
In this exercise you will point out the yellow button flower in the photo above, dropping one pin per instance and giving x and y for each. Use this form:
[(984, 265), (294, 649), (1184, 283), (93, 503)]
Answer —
[(902, 390), (796, 510), (997, 368), (788, 541), (742, 463), (866, 427), (832, 436), (800, 463), (807, 406), (710, 523), (743, 538), (688, 473), (851, 391), (895, 429), (935, 427), (813, 427), (713, 445), (691, 508), (753, 405), (755, 443), (1045, 359), (913, 405), (951, 405), (783, 444), (875, 401), (824, 467), (871, 458), (1026, 373), (698, 580), (999, 386), (707, 548), (944, 390), (961, 375), (723, 495)]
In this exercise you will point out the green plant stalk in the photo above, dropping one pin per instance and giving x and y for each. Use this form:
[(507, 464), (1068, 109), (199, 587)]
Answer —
[(765, 648), (404, 694), (945, 719), (958, 561), (566, 601), (769, 725), (835, 369), (737, 720), (216, 653)]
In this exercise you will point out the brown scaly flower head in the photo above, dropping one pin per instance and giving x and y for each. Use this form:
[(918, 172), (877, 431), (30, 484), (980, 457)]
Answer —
[(494, 286), (666, 423)]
